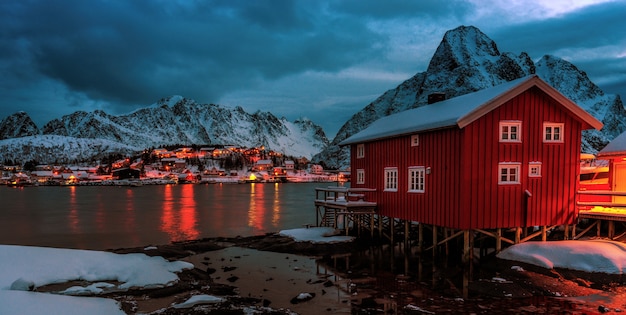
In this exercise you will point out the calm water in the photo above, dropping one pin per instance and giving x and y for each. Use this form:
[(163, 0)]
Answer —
[(104, 217)]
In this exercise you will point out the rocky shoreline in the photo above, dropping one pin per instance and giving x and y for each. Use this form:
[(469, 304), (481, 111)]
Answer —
[(271, 274)]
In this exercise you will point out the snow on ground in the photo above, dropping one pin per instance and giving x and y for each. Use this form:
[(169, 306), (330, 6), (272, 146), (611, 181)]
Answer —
[(316, 235), (584, 255), (26, 266)]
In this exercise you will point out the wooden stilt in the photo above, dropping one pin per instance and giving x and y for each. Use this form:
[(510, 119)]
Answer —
[(467, 259), (498, 240), (420, 236), (406, 237), (544, 234), (518, 232)]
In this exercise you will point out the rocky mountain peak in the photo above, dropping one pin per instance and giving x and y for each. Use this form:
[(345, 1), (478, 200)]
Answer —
[(17, 125), (462, 46), (466, 61)]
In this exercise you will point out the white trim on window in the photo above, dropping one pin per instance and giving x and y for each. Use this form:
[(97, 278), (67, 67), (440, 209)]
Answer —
[(360, 151), (417, 179), (534, 169), (508, 173), (552, 132), (391, 179), (360, 176), (415, 140), (510, 131)]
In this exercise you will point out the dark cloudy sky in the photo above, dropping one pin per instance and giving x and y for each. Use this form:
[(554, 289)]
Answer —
[(324, 60)]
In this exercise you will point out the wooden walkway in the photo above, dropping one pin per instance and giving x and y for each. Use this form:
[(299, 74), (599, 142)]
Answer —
[(613, 213), (346, 204)]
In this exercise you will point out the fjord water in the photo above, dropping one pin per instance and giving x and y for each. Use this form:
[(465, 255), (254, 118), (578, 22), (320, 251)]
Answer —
[(107, 217)]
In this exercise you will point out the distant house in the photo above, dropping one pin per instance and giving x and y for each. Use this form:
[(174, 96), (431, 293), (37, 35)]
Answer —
[(126, 173), (263, 165), (503, 157), (615, 153), (289, 165), (173, 163), (316, 169)]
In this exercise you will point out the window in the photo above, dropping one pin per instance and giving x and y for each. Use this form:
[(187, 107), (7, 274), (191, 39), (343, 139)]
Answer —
[(552, 132), (510, 131), (508, 173), (416, 178), (360, 151), (534, 169), (360, 176), (391, 179), (415, 140)]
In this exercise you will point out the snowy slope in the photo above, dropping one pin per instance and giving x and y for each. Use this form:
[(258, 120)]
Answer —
[(60, 149), (467, 61), (171, 121)]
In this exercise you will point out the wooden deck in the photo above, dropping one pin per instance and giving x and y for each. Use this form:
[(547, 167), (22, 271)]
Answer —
[(602, 211), (333, 203)]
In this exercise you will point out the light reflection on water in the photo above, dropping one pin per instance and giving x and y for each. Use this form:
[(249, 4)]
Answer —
[(103, 217)]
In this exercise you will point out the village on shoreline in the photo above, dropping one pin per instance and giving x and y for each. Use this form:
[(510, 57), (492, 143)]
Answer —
[(183, 165)]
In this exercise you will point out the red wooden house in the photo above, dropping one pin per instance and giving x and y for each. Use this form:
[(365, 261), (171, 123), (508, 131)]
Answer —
[(502, 157)]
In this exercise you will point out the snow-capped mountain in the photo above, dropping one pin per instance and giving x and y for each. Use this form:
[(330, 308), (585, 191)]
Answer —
[(467, 61), (173, 120), (17, 125)]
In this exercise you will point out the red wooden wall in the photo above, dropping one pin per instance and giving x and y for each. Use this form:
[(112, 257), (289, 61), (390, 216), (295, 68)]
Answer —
[(462, 190)]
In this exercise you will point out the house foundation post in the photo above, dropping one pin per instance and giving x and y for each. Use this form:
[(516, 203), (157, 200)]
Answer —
[(498, 240), (468, 246)]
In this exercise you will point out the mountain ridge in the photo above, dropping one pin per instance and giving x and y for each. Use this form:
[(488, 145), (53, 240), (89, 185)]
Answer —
[(171, 120), (466, 61)]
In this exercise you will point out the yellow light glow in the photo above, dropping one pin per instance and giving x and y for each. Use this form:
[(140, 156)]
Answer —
[(252, 176)]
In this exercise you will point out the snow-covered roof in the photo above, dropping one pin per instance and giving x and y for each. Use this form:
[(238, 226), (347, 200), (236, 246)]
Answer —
[(616, 147), (461, 111)]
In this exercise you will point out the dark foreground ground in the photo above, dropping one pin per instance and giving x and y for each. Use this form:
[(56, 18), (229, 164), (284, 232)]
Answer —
[(275, 275)]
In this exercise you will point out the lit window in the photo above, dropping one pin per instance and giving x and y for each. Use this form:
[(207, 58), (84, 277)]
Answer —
[(360, 176), (508, 173), (360, 151), (534, 169), (416, 178), (510, 131), (391, 179), (415, 140), (552, 132)]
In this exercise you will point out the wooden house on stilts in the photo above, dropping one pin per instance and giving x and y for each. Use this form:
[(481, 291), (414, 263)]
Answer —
[(501, 159)]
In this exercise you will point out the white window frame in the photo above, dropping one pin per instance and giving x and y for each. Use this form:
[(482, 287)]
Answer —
[(360, 176), (415, 140), (505, 136), (360, 151), (391, 179), (508, 166), (417, 179), (534, 166), (549, 136)]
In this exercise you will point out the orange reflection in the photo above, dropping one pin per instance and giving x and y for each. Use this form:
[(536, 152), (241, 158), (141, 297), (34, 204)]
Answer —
[(181, 224), (276, 206), (73, 215), (256, 211)]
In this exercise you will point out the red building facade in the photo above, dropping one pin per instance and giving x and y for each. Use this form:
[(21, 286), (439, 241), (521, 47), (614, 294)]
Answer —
[(503, 157)]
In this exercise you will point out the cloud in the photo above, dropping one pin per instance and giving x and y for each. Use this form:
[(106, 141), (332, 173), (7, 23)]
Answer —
[(130, 51), (292, 58)]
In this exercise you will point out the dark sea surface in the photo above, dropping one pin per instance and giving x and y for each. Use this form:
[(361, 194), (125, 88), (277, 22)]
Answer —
[(106, 217)]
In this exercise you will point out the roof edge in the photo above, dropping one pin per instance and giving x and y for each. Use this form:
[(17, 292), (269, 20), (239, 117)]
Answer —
[(533, 80)]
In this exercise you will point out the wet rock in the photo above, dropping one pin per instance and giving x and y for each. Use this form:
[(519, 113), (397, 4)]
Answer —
[(232, 278), (302, 297), (603, 309)]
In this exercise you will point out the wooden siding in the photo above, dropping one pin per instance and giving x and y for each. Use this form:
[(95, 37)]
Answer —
[(438, 150), (462, 190), (551, 198)]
